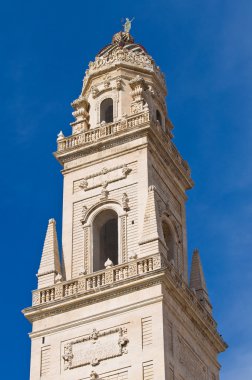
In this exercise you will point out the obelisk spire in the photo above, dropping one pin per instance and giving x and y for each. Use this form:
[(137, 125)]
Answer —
[(50, 263), (197, 281)]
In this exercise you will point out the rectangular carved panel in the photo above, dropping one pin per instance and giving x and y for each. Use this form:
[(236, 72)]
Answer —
[(146, 331), (93, 348), (105, 175), (45, 361)]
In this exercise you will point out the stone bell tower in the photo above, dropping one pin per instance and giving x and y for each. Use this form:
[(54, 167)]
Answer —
[(118, 304)]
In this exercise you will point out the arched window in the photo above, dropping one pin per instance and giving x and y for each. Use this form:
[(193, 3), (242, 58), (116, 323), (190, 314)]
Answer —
[(106, 110), (105, 239), (169, 240), (159, 117)]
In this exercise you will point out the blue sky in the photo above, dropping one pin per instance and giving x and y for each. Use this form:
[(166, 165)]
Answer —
[(204, 48)]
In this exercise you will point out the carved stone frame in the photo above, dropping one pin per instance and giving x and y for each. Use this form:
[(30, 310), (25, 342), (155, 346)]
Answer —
[(88, 232), (114, 96)]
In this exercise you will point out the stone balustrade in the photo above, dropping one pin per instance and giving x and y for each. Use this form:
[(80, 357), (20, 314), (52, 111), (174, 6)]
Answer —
[(96, 280), (107, 130), (65, 144), (113, 276)]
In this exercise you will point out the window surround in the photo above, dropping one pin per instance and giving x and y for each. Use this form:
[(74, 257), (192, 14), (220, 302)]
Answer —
[(114, 97), (88, 227)]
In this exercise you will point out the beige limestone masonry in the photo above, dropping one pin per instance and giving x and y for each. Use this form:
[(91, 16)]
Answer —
[(124, 196)]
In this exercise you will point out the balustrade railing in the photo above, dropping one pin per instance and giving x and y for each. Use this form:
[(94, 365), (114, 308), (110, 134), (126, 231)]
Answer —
[(131, 122), (114, 275), (103, 131), (97, 280)]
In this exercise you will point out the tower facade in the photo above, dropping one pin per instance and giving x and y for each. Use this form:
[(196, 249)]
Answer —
[(118, 304)]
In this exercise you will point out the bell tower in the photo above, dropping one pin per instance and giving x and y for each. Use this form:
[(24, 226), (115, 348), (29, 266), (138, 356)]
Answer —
[(117, 304)]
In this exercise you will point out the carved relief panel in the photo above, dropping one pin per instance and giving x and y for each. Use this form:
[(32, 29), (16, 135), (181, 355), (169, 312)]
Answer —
[(95, 347), (102, 178)]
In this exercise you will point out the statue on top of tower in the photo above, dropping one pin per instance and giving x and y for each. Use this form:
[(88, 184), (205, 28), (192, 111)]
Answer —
[(127, 24)]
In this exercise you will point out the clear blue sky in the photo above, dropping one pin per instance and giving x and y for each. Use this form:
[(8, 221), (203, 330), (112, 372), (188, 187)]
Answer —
[(204, 48)]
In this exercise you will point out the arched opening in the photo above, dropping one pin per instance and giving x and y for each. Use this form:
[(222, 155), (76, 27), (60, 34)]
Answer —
[(169, 240), (106, 110), (105, 239), (159, 117)]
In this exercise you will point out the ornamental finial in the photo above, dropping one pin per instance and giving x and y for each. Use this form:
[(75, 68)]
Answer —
[(127, 24)]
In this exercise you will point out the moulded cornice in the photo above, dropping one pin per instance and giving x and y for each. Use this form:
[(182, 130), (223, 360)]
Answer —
[(166, 276), (134, 69)]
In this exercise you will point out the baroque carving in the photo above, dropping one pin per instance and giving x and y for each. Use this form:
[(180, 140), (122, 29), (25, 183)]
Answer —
[(81, 114), (139, 87), (84, 213), (109, 278), (102, 178), (119, 55), (105, 86), (104, 191), (97, 346), (125, 202)]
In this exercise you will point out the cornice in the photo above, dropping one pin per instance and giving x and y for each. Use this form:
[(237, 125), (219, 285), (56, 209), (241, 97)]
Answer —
[(104, 143), (170, 151), (166, 277), (94, 296), (98, 316), (210, 332), (155, 136)]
